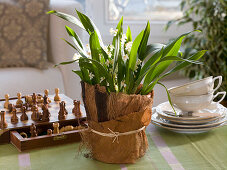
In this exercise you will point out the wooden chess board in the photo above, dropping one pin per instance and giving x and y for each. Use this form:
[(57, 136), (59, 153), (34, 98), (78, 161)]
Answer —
[(53, 108)]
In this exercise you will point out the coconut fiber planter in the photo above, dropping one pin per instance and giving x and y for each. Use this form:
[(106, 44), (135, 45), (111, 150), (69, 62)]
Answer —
[(117, 124)]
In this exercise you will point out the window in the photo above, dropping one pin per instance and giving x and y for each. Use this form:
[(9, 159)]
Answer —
[(137, 10)]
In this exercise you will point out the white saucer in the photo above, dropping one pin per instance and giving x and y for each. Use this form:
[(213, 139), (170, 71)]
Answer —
[(157, 119), (213, 112), (188, 131)]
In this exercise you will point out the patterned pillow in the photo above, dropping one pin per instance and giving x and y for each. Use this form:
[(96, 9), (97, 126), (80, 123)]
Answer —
[(23, 33)]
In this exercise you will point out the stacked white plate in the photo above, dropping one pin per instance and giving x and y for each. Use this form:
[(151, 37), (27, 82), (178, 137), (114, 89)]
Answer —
[(197, 122)]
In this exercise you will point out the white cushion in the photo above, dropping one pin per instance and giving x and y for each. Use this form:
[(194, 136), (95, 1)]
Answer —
[(29, 80)]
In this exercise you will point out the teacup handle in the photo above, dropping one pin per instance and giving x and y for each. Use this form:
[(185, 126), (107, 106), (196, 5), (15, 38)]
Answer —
[(223, 93), (219, 82)]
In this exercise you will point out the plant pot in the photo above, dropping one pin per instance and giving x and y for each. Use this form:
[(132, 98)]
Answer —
[(117, 124), (224, 102)]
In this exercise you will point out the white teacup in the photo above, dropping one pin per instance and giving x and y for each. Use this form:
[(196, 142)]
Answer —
[(199, 87), (195, 103)]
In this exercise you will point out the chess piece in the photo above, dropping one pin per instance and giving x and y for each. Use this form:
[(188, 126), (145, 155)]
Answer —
[(45, 114), (33, 130), (36, 115), (34, 99), (6, 104), (62, 112), (24, 116), (14, 118), (57, 97), (45, 100), (19, 101), (56, 128), (46, 92), (49, 132), (3, 123), (10, 107), (28, 100), (76, 110), (39, 99)]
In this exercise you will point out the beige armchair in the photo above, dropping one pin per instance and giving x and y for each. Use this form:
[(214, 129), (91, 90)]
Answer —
[(28, 80)]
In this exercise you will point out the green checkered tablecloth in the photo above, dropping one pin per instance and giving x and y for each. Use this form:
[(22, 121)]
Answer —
[(167, 150)]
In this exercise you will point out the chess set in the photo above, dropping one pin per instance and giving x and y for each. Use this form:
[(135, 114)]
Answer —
[(37, 120)]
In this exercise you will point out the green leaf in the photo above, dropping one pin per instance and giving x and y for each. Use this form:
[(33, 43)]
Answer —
[(176, 58), (116, 51), (82, 52), (95, 46), (119, 32), (133, 57), (103, 72), (89, 26), (128, 34), (170, 101), (134, 49), (79, 73), (67, 17), (64, 63), (143, 44), (153, 60), (74, 37), (184, 64), (92, 69)]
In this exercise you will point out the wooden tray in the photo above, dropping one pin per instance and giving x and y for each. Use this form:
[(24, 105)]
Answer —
[(23, 144)]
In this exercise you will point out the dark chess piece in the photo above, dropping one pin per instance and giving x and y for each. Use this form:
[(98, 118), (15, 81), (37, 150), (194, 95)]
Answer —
[(45, 100), (14, 118), (76, 110), (46, 113), (62, 112), (34, 99), (33, 130), (36, 115), (24, 116), (3, 123), (10, 107)]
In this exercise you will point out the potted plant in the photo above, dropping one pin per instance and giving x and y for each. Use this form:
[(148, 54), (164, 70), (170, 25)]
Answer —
[(211, 16), (118, 105)]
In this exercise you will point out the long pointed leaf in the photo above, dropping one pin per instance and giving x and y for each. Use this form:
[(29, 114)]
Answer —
[(67, 17), (90, 26), (95, 46), (143, 44), (74, 36)]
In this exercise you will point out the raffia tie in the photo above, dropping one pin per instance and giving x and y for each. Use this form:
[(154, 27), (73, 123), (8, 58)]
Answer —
[(115, 135)]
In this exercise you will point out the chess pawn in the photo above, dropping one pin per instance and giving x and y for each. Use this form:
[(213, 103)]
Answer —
[(6, 104), (24, 116), (46, 92), (76, 110), (3, 123), (36, 115), (57, 97), (33, 130), (14, 118), (19, 101), (56, 128)]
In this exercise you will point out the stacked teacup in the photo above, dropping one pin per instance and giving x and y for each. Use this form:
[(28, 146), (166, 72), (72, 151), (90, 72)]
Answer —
[(196, 95)]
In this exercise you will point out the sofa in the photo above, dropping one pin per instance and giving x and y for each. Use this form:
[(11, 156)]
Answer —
[(29, 80)]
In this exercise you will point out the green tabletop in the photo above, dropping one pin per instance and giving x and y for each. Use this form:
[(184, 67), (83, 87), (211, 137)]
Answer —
[(167, 150)]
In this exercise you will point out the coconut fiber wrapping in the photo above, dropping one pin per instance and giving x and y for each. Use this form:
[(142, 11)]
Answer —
[(116, 112)]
